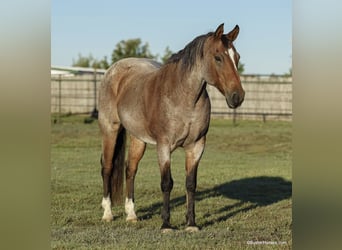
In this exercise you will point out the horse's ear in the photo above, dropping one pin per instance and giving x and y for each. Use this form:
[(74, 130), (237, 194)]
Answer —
[(233, 34), (219, 31)]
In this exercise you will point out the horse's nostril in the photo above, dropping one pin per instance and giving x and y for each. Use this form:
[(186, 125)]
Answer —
[(235, 99)]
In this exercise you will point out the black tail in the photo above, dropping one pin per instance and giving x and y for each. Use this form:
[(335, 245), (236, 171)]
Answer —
[(118, 168)]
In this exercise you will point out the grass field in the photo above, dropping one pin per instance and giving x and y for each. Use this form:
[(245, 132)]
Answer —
[(243, 197)]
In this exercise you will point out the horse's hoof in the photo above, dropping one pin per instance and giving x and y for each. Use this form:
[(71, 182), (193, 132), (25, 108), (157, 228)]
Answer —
[(132, 219), (167, 230), (107, 218), (192, 229)]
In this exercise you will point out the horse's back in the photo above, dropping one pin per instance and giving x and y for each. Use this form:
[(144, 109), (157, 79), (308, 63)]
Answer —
[(133, 66), (125, 70)]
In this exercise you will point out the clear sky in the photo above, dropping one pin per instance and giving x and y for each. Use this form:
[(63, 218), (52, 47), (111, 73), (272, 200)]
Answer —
[(84, 26)]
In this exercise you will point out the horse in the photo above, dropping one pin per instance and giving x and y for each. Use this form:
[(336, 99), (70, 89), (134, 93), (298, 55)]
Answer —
[(168, 106)]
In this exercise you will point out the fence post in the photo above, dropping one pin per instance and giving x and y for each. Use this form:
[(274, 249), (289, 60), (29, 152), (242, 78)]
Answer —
[(59, 98), (94, 113)]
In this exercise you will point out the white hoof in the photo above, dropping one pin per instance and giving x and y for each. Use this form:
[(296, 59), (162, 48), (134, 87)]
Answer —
[(131, 219), (107, 217), (106, 205), (129, 209), (192, 229)]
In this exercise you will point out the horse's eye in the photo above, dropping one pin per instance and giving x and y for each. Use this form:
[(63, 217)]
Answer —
[(218, 59)]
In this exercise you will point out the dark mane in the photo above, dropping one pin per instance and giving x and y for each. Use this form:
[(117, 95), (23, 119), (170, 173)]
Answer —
[(190, 53)]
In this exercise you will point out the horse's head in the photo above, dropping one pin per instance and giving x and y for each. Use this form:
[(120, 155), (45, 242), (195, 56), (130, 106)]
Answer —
[(221, 65)]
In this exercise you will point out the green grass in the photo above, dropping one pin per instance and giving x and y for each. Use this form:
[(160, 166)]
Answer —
[(244, 191)]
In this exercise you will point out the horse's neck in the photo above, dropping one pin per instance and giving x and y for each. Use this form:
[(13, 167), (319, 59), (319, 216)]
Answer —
[(185, 85)]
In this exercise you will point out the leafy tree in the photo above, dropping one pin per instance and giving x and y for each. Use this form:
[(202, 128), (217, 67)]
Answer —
[(90, 62), (131, 48), (102, 64), (167, 54), (83, 61), (241, 67)]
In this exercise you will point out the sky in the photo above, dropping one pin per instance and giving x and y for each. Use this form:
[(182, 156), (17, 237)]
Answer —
[(95, 27)]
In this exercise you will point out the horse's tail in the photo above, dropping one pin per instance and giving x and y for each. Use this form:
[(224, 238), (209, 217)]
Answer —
[(118, 162)]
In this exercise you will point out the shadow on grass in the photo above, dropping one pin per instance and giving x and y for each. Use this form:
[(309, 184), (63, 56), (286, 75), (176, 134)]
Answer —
[(249, 192)]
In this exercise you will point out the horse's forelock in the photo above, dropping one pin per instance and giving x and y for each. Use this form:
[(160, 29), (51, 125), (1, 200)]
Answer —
[(225, 41)]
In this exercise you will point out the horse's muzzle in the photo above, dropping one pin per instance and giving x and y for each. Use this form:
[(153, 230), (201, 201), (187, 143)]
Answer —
[(235, 99)]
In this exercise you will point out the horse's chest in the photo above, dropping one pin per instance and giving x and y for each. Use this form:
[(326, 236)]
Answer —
[(189, 131), (190, 126)]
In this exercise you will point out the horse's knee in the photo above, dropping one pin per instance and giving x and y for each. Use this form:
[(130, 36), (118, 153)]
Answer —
[(166, 184)]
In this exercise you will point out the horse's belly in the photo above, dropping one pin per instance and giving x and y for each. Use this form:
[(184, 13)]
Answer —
[(135, 126)]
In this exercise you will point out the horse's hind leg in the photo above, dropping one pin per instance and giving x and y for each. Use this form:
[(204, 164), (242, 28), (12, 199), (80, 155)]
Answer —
[(108, 145), (193, 155), (136, 152)]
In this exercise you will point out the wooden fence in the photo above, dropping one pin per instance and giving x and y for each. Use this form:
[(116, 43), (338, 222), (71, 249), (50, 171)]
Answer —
[(267, 97)]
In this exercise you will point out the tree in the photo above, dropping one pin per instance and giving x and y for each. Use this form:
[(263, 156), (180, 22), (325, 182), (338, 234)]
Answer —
[(90, 62), (83, 61), (241, 68), (102, 64), (131, 48), (167, 54)]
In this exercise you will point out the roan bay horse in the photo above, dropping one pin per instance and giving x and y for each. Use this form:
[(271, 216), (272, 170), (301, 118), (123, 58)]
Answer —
[(166, 105)]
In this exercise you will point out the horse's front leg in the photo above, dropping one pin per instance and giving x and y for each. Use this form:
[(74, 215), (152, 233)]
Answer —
[(136, 152), (166, 184), (193, 155)]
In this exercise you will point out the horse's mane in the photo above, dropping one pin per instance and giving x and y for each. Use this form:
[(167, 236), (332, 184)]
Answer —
[(190, 53)]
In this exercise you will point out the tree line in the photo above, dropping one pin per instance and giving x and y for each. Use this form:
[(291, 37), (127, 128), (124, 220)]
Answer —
[(124, 49)]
